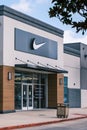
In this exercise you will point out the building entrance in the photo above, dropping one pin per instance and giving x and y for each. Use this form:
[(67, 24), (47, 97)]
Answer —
[(31, 90), (27, 96)]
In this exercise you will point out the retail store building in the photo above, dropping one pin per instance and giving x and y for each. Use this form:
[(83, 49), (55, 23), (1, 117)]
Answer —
[(36, 70), (75, 81), (31, 63)]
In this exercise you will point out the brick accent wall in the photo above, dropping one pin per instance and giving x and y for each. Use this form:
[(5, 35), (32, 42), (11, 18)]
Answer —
[(60, 88), (52, 90), (6, 89), (1, 88), (55, 89)]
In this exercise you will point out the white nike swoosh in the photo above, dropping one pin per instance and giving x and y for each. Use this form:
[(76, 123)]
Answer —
[(37, 46)]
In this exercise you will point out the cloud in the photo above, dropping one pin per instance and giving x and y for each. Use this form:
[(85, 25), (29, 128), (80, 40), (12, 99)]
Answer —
[(71, 37), (41, 1), (23, 6)]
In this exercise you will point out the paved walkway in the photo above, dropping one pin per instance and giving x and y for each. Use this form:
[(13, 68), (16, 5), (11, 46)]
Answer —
[(37, 117)]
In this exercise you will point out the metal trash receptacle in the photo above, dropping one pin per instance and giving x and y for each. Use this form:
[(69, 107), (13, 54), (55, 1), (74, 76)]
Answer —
[(62, 110)]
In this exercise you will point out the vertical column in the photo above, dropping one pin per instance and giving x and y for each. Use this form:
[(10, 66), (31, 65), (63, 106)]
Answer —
[(55, 89), (60, 88), (1, 89), (52, 90), (7, 89)]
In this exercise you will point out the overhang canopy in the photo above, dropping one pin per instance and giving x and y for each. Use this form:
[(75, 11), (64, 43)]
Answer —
[(40, 68)]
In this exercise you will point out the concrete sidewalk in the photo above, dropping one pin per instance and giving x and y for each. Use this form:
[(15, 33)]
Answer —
[(37, 117)]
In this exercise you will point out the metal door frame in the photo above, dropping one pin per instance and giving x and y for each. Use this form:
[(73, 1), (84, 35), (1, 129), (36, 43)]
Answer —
[(27, 107)]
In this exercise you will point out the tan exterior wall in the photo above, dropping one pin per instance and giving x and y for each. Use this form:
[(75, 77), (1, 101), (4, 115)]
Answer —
[(55, 89), (6, 89), (1, 88), (52, 90), (60, 88)]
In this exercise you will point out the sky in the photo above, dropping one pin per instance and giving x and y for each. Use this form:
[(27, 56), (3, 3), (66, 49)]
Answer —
[(39, 10)]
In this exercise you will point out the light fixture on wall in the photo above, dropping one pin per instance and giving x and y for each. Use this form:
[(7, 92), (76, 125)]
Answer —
[(60, 81), (9, 75)]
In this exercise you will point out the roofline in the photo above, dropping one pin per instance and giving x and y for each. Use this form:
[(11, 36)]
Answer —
[(72, 43), (71, 51), (9, 12)]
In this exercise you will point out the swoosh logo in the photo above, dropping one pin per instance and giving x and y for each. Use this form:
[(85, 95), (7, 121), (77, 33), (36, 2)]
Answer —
[(37, 46)]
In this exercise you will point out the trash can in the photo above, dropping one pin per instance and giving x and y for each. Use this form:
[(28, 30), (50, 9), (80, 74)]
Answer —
[(62, 110)]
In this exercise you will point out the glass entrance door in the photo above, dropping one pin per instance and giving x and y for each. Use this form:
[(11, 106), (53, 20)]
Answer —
[(27, 96), (30, 97)]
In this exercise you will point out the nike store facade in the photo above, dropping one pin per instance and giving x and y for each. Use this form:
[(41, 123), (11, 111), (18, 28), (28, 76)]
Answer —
[(31, 63)]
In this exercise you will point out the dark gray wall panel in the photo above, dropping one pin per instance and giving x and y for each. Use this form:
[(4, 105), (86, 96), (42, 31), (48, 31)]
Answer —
[(24, 42), (74, 98), (75, 46), (83, 64), (83, 56), (83, 78)]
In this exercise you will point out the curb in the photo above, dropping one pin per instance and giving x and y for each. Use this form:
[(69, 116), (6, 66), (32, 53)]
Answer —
[(40, 123)]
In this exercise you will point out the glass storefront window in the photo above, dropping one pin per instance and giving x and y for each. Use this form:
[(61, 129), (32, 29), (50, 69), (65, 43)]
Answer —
[(65, 89), (27, 78), (43, 96), (38, 83), (36, 78), (18, 77), (39, 96), (18, 96), (43, 79), (36, 96)]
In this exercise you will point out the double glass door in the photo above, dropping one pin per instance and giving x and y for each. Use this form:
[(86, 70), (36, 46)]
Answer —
[(27, 96)]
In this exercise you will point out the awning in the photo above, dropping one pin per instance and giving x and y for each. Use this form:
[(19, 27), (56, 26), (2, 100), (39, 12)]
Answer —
[(40, 68)]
